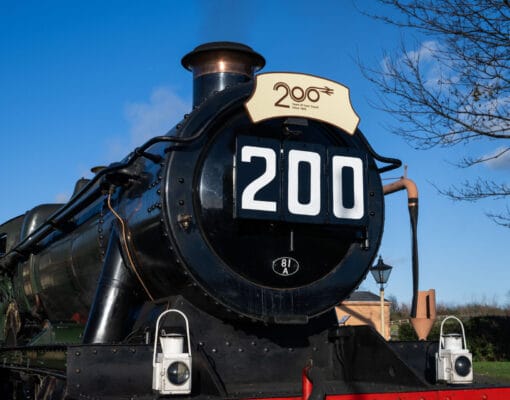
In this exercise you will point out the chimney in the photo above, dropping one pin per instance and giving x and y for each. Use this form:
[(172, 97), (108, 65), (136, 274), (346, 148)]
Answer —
[(217, 65)]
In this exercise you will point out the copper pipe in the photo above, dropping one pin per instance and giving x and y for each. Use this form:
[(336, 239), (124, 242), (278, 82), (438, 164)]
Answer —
[(412, 202), (401, 184)]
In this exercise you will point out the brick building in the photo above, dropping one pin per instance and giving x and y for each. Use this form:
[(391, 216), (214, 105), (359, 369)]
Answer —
[(364, 308)]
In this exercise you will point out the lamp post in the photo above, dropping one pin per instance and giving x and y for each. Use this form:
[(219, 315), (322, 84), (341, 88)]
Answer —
[(381, 272)]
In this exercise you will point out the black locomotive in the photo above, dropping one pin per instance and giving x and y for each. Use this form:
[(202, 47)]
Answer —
[(250, 231)]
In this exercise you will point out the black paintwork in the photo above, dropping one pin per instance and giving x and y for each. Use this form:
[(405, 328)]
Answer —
[(248, 361), (171, 222), (230, 258)]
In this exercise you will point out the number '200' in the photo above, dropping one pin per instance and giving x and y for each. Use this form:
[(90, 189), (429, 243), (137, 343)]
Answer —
[(312, 207)]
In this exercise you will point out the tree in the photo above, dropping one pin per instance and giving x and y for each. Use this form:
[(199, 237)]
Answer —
[(456, 87)]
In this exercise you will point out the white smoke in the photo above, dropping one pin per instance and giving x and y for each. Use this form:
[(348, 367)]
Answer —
[(155, 117), (499, 159)]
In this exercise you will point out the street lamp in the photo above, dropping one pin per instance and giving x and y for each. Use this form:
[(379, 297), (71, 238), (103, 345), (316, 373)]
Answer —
[(381, 272)]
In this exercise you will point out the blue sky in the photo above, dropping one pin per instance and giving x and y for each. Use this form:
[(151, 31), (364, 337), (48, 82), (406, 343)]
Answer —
[(82, 83)]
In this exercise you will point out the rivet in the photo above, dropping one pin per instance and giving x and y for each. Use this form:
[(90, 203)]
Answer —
[(181, 180), (181, 202), (240, 350), (78, 370), (266, 349), (227, 343), (214, 350), (372, 213)]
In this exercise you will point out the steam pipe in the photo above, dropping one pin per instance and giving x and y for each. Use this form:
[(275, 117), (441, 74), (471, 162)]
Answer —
[(412, 202), (116, 296)]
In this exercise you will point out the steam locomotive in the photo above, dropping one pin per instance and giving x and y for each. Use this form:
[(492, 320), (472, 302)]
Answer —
[(207, 263)]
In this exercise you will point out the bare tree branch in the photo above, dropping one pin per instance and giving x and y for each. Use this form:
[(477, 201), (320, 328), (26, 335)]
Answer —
[(452, 88), (479, 189), (470, 161), (501, 219)]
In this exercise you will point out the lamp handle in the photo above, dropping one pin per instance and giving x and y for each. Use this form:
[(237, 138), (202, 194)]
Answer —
[(441, 340), (157, 332)]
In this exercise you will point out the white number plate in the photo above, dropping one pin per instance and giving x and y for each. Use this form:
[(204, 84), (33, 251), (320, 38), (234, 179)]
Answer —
[(298, 182)]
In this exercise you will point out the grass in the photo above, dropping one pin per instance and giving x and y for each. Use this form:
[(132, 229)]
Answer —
[(493, 372)]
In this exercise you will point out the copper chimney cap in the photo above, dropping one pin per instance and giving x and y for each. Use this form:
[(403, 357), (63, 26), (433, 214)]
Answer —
[(217, 57)]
